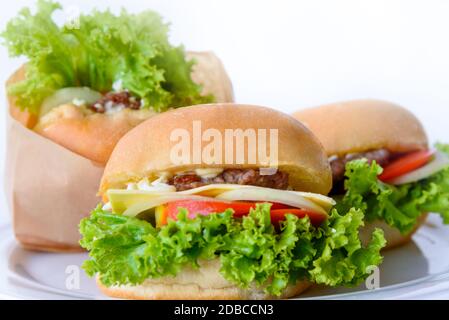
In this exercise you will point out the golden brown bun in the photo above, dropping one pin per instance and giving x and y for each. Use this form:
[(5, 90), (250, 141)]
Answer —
[(145, 150), (205, 283), (392, 235), (362, 125), (94, 135), (211, 74)]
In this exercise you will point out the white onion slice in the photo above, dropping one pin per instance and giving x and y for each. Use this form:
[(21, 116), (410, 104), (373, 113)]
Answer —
[(327, 203), (67, 95), (214, 190), (439, 162), (271, 195)]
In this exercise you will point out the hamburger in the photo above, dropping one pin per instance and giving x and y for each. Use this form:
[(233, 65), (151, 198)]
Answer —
[(88, 82), (222, 229), (382, 163)]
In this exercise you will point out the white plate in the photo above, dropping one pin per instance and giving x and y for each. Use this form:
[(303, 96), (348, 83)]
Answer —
[(419, 270)]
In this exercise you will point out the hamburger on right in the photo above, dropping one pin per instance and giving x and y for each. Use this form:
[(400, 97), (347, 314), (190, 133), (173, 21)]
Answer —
[(382, 164)]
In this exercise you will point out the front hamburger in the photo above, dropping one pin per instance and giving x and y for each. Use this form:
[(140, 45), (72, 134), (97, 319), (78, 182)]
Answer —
[(382, 163), (221, 230)]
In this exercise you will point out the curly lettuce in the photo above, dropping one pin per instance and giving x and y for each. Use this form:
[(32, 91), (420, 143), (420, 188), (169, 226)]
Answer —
[(100, 49), (399, 206), (127, 250)]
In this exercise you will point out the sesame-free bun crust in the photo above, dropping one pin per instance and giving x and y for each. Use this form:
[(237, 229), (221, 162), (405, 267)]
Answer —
[(362, 125), (392, 235), (205, 283), (146, 150), (211, 74), (94, 135)]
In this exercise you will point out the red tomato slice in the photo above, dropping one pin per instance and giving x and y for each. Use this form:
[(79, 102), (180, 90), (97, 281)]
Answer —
[(406, 164), (278, 210), (207, 207), (278, 215)]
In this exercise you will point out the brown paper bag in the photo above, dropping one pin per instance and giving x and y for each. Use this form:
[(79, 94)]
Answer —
[(49, 188)]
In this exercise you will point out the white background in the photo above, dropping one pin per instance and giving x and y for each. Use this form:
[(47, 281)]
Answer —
[(292, 54)]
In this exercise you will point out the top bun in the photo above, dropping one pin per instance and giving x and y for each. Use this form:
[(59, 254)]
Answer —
[(145, 150), (363, 125), (209, 72)]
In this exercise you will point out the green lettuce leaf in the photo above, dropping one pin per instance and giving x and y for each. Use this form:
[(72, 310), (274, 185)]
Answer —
[(98, 50), (399, 206), (127, 250)]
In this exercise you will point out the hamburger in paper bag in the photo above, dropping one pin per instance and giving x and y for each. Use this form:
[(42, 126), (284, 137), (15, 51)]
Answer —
[(82, 88)]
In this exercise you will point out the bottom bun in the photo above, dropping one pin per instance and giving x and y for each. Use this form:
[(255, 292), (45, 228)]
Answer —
[(89, 134), (392, 235), (204, 283)]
